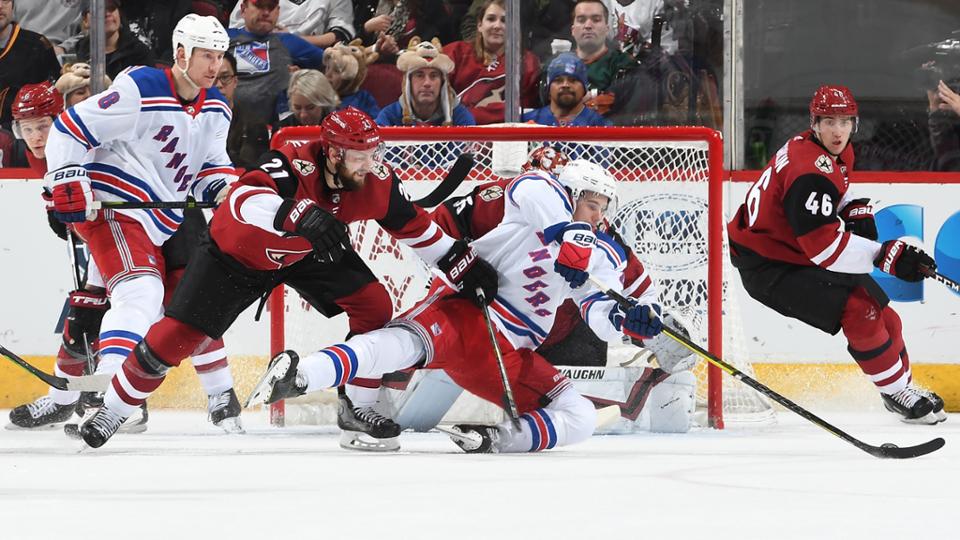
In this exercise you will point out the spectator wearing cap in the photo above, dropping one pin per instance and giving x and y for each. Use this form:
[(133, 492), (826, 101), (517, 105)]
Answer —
[(122, 47), (265, 58), (426, 98), (320, 22), (567, 81), (74, 84), (25, 57), (310, 97)]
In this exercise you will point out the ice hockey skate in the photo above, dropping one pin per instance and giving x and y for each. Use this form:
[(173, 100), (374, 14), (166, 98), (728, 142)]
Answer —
[(224, 411), (279, 382), (41, 413), (365, 429), (91, 402), (102, 425), (937, 404), (913, 406), (473, 438)]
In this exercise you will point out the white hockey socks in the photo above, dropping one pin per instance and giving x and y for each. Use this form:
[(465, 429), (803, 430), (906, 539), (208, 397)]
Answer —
[(367, 355), (569, 419)]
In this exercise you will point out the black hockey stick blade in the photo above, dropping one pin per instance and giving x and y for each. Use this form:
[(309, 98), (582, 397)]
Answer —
[(87, 383), (887, 450), (458, 173), (138, 205), (937, 276)]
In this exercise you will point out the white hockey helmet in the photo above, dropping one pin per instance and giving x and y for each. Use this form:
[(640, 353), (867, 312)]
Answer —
[(582, 175), (197, 31)]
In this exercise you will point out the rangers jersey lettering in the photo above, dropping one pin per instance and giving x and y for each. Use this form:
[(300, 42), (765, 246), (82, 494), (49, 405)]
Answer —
[(139, 143), (791, 212)]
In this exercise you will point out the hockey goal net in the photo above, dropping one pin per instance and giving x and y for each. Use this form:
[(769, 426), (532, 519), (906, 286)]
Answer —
[(670, 213)]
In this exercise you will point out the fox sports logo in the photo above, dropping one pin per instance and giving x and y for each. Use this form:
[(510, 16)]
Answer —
[(667, 231)]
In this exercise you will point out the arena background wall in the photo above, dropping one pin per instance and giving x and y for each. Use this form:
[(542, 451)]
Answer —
[(795, 360)]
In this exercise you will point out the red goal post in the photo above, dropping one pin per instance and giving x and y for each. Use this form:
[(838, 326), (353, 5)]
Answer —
[(648, 162)]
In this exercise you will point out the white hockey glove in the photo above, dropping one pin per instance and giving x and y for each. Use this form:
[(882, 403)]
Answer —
[(672, 356)]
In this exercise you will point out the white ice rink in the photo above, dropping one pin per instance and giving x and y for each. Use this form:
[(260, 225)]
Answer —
[(180, 480)]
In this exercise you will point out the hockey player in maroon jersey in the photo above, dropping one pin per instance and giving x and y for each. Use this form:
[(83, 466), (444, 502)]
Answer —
[(805, 248), (284, 222)]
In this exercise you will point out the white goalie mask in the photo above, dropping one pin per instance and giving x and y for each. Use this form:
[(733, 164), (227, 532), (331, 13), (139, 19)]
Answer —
[(581, 175), (196, 31)]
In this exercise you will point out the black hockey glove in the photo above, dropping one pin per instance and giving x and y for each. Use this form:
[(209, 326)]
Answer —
[(58, 227), (465, 268), (326, 234), (904, 261), (858, 217)]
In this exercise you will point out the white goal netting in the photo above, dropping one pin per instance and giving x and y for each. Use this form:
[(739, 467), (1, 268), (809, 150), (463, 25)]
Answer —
[(668, 181)]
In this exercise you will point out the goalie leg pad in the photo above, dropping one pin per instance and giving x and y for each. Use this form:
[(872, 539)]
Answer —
[(672, 402), (428, 397)]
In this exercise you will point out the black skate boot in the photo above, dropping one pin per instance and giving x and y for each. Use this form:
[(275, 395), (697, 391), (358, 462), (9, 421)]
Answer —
[(279, 382), (363, 428), (42, 413), (912, 405), (98, 429), (224, 411), (473, 438), (937, 402), (91, 402)]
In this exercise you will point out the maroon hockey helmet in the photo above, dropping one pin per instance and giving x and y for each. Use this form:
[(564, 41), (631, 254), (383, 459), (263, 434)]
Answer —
[(350, 129), (832, 100), (546, 158), (36, 100)]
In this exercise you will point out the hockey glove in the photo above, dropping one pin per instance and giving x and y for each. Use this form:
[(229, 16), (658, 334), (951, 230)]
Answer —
[(326, 234), (904, 261), (86, 312), (57, 226), (72, 197), (576, 248), (858, 217), (641, 321), (466, 269)]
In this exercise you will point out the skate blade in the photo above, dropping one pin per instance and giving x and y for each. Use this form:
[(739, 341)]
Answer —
[(931, 419), (365, 443), (261, 392), (231, 426), (45, 427)]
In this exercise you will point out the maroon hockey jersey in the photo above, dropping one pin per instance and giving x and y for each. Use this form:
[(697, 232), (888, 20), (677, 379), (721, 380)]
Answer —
[(791, 212), (481, 87), (243, 226)]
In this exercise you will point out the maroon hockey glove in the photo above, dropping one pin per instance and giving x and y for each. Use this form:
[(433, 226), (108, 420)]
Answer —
[(858, 217), (904, 261), (576, 247), (465, 268), (326, 234), (72, 197)]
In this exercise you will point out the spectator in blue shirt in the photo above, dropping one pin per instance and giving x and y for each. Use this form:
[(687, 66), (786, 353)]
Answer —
[(426, 97), (567, 80)]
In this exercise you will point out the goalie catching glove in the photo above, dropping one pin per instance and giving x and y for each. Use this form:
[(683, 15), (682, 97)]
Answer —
[(326, 234), (857, 215), (577, 241), (904, 261), (72, 197), (641, 321), (466, 269)]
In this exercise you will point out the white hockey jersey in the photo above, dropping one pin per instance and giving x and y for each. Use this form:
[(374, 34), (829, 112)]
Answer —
[(523, 248), (139, 143)]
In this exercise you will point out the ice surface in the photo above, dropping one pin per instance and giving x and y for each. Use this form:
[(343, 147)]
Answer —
[(182, 480)]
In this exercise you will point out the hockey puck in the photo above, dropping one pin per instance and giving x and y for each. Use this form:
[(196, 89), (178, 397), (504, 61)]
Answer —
[(888, 445)]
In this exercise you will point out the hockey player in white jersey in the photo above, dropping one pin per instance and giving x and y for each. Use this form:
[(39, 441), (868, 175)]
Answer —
[(153, 135), (543, 249)]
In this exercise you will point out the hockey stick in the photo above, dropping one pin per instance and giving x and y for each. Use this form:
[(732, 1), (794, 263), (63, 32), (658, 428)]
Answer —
[(75, 270), (458, 173), (937, 276), (886, 450), (138, 205), (509, 404), (86, 383)]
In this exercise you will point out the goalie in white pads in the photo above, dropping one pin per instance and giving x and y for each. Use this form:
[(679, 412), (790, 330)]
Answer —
[(543, 250)]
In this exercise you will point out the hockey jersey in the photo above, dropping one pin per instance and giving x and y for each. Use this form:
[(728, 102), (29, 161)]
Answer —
[(245, 226), (481, 210), (791, 212), (521, 244), (138, 142), (480, 87)]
